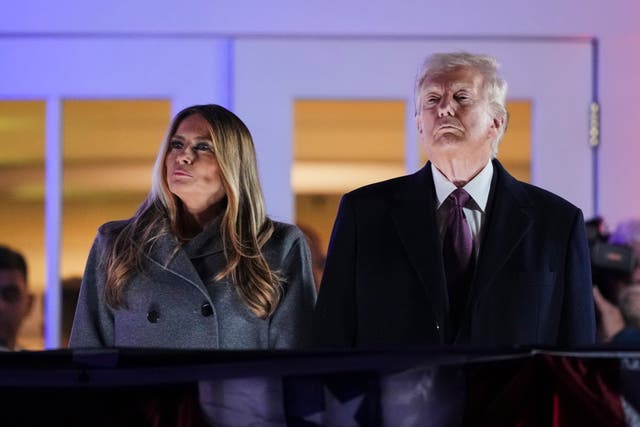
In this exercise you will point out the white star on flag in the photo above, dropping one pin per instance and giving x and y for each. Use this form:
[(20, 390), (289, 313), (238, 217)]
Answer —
[(337, 413)]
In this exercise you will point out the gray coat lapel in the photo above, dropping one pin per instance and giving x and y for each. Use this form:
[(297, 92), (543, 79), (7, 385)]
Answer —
[(180, 265), (161, 255)]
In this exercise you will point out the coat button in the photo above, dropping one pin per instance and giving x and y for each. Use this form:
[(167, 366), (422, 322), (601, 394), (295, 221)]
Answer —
[(153, 316), (206, 309)]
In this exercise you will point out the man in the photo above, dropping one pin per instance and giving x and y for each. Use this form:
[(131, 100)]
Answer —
[(630, 309), (15, 299), (619, 321), (411, 262)]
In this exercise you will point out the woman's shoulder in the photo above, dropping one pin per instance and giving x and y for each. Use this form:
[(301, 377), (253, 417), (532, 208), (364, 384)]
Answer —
[(285, 236), (106, 235), (285, 231), (113, 227)]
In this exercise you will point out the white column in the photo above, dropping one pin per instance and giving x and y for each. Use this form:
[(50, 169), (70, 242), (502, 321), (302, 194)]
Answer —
[(53, 222)]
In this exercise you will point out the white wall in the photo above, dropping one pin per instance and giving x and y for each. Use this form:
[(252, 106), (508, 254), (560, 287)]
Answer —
[(613, 23)]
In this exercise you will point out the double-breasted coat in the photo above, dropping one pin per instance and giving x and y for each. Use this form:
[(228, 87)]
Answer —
[(175, 302)]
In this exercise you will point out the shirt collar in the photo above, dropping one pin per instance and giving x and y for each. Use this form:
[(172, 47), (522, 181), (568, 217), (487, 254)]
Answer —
[(478, 188)]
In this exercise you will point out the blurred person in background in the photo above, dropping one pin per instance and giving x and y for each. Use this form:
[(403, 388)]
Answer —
[(617, 296), (70, 291), (629, 303), (16, 301)]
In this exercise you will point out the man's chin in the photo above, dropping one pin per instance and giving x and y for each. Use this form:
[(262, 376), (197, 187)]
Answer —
[(449, 138)]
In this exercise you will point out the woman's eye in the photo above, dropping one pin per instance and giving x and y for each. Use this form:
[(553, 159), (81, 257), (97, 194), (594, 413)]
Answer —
[(203, 147), (175, 145)]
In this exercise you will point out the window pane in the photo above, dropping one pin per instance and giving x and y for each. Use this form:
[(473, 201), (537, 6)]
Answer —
[(22, 148), (109, 151), (340, 145)]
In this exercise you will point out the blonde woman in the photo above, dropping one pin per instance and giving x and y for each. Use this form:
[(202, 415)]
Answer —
[(199, 265)]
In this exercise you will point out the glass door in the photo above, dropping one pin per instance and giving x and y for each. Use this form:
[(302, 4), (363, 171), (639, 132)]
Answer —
[(106, 104)]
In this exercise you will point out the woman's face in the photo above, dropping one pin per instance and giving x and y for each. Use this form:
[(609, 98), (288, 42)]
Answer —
[(193, 172)]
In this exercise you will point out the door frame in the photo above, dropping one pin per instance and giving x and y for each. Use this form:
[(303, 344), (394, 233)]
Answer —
[(555, 74), (185, 71)]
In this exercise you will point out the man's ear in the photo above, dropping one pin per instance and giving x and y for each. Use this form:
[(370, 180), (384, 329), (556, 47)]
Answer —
[(500, 122), (418, 124), (30, 301)]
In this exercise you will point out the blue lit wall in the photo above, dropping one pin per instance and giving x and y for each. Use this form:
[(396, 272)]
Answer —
[(614, 25)]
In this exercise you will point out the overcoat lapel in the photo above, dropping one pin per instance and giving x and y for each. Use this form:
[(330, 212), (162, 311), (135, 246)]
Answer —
[(415, 222), (508, 221), (180, 265)]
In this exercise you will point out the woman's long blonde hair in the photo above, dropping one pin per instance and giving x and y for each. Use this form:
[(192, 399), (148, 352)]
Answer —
[(244, 229)]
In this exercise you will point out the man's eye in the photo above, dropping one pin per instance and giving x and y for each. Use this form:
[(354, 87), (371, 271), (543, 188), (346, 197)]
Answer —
[(10, 294), (175, 145)]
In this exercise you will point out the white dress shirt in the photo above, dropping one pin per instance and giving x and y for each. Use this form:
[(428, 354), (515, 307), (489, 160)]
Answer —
[(475, 211)]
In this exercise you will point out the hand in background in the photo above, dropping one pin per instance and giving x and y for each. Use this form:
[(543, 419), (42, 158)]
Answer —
[(611, 321)]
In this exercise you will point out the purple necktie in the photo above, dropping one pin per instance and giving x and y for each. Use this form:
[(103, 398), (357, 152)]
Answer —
[(457, 253)]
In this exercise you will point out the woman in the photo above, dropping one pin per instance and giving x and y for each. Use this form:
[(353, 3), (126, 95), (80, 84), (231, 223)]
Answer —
[(199, 265)]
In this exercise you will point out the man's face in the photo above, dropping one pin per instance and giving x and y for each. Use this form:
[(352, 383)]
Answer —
[(15, 304), (454, 118)]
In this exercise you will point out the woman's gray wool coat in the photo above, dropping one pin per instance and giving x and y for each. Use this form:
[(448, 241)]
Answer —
[(169, 305)]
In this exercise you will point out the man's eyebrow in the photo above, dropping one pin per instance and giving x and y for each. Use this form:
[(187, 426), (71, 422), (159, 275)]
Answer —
[(431, 87), (454, 86), (461, 85), (9, 286)]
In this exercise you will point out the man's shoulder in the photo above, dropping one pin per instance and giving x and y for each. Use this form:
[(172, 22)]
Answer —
[(628, 335), (546, 199), (383, 189), (533, 195)]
